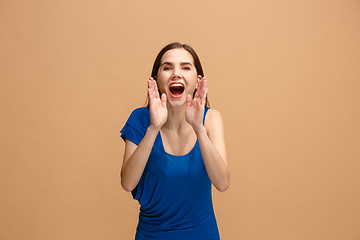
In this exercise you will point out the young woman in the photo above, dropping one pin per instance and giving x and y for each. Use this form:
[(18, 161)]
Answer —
[(174, 151)]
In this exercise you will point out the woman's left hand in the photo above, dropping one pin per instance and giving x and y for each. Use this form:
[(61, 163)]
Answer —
[(195, 107)]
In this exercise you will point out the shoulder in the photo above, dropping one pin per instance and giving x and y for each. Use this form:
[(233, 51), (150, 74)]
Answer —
[(140, 112), (213, 115), (139, 116), (213, 119), (215, 130)]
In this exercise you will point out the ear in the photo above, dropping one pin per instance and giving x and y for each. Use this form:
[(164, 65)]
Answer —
[(198, 80)]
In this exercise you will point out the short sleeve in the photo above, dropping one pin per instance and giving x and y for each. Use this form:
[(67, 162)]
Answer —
[(136, 125), (130, 133)]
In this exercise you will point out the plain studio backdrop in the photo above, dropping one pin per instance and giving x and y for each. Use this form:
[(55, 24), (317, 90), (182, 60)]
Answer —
[(284, 74)]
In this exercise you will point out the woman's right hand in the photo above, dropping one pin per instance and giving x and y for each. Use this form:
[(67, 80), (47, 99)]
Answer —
[(157, 106)]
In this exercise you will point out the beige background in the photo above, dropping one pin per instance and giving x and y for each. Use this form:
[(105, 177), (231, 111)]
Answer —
[(284, 74)]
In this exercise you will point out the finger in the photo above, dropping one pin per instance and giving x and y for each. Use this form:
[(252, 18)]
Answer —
[(202, 85), (149, 83), (200, 89), (150, 96), (196, 93), (198, 81), (150, 90), (163, 100), (205, 93), (204, 81), (205, 89), (156, 90), (152, 85), (203, 97), (188, 100)]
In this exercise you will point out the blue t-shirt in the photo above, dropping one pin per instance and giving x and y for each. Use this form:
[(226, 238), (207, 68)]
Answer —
[(174, 192)]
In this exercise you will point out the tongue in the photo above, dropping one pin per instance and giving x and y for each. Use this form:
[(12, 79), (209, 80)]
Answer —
[(177, 91)]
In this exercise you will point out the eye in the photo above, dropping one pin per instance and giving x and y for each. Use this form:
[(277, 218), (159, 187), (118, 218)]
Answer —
[(186, 68), (166, 68)]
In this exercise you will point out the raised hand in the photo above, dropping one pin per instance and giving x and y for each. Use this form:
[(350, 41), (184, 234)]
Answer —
[(195, 107), (157, 106)]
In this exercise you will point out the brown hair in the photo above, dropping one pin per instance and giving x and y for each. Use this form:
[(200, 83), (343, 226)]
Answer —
[(175, 45)]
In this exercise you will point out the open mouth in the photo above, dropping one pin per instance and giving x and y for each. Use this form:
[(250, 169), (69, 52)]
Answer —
[(176, 89)]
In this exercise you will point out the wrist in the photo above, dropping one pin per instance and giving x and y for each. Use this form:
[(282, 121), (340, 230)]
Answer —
[(200, 130), (153, 129)]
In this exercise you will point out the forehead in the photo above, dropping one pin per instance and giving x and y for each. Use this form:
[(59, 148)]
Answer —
[(177, 55)]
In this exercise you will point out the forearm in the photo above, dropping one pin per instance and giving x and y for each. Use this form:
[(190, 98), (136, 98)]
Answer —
[(133, 167), (216, 167)]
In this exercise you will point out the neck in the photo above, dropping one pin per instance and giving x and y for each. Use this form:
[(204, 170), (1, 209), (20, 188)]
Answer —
[(176, 118)]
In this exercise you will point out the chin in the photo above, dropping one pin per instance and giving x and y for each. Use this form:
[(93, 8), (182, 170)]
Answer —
[(177, 101)]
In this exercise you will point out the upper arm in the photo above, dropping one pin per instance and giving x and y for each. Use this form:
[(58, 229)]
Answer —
[(215, 130), (130, 148)]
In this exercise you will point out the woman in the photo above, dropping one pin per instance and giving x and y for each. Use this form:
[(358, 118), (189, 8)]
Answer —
[(174, 151)]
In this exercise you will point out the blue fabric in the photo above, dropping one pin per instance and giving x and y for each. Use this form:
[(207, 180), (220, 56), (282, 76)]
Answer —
[(174, 192)]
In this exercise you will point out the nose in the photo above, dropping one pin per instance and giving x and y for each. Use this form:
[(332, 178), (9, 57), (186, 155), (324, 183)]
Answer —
[(176, 74)]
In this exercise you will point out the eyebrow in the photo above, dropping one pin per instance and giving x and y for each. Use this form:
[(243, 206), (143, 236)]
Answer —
[(182, 63)]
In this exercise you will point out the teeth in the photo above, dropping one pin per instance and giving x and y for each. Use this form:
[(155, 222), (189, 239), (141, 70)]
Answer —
[(176, 85)]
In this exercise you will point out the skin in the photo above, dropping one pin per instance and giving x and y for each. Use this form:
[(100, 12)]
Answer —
[(180, 123)]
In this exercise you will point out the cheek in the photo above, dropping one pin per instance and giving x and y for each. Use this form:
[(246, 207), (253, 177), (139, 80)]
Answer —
[(163, 76), (162, 85), (191, 87)]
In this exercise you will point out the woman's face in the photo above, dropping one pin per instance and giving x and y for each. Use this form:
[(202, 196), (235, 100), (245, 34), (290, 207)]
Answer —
[(177, 75)]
